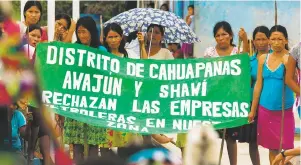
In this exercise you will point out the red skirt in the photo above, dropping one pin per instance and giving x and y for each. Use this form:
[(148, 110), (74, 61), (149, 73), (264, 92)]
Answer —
[(187, 48), (269, 129)]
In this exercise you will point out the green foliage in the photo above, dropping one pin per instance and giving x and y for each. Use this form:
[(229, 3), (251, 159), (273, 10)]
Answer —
[(63, 7), (107, 9), (16, 9)]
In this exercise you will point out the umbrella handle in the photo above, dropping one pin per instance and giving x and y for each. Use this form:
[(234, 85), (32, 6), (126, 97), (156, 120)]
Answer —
[(101, 29), (139, 30), (239, 45), (150, 44), (251, 47)]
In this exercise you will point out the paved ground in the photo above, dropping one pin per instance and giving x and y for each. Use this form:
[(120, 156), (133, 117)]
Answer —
[(243, 153), (243, 150)]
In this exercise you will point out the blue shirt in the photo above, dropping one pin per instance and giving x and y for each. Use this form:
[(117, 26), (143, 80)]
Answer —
[(272, 90), (254, 68), (18, 120), (102, 48)]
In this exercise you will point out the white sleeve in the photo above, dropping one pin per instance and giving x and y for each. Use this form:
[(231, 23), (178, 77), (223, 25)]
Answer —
[(168, 55), (208, 53)]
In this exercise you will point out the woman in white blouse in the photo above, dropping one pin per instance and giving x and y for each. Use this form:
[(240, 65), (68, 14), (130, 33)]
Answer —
[(155, 34), (223, 35)]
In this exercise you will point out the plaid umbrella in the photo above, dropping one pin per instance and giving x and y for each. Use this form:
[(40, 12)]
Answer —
[(176, 29)]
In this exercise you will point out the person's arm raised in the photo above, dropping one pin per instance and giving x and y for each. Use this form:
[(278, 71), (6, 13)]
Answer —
[(143, 53), (244, 38), (71, 30)]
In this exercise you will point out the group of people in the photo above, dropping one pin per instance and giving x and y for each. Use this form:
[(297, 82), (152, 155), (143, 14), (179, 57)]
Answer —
[(273, 83)]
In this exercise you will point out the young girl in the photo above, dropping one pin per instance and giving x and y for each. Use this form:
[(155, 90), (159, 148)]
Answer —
[(269, 93), (33, 35), (186, 47)]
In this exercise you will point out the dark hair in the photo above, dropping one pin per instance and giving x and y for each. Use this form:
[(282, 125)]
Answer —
[(16, 105), (116, 28), (30, 28), (155, 25), (65, 17), (88, 23), (281, 29), (165, 5), (190, 6), (2, 16), (261, 29), (226, 26), (29, 4), (178, 45), (132, 36), (151, 5)]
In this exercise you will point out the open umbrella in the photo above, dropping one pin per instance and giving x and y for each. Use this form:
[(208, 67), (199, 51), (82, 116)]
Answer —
[(176, 29)]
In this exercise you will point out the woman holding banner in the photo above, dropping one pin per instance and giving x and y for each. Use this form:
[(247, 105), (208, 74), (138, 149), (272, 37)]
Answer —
[(223, 35), (275, 99), (155, 34), (78, 133), (114, 43), (248, 133)]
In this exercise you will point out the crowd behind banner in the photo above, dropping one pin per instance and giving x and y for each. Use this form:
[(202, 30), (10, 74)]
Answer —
[(274, 79)]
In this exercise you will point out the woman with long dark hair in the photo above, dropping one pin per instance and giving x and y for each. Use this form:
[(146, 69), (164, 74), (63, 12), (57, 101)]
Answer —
[(153, 48), (114, 42), (75, 131), (273, 98), (248, 132), (223, 35), (32, 13), (64, 28), (33, 35)]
